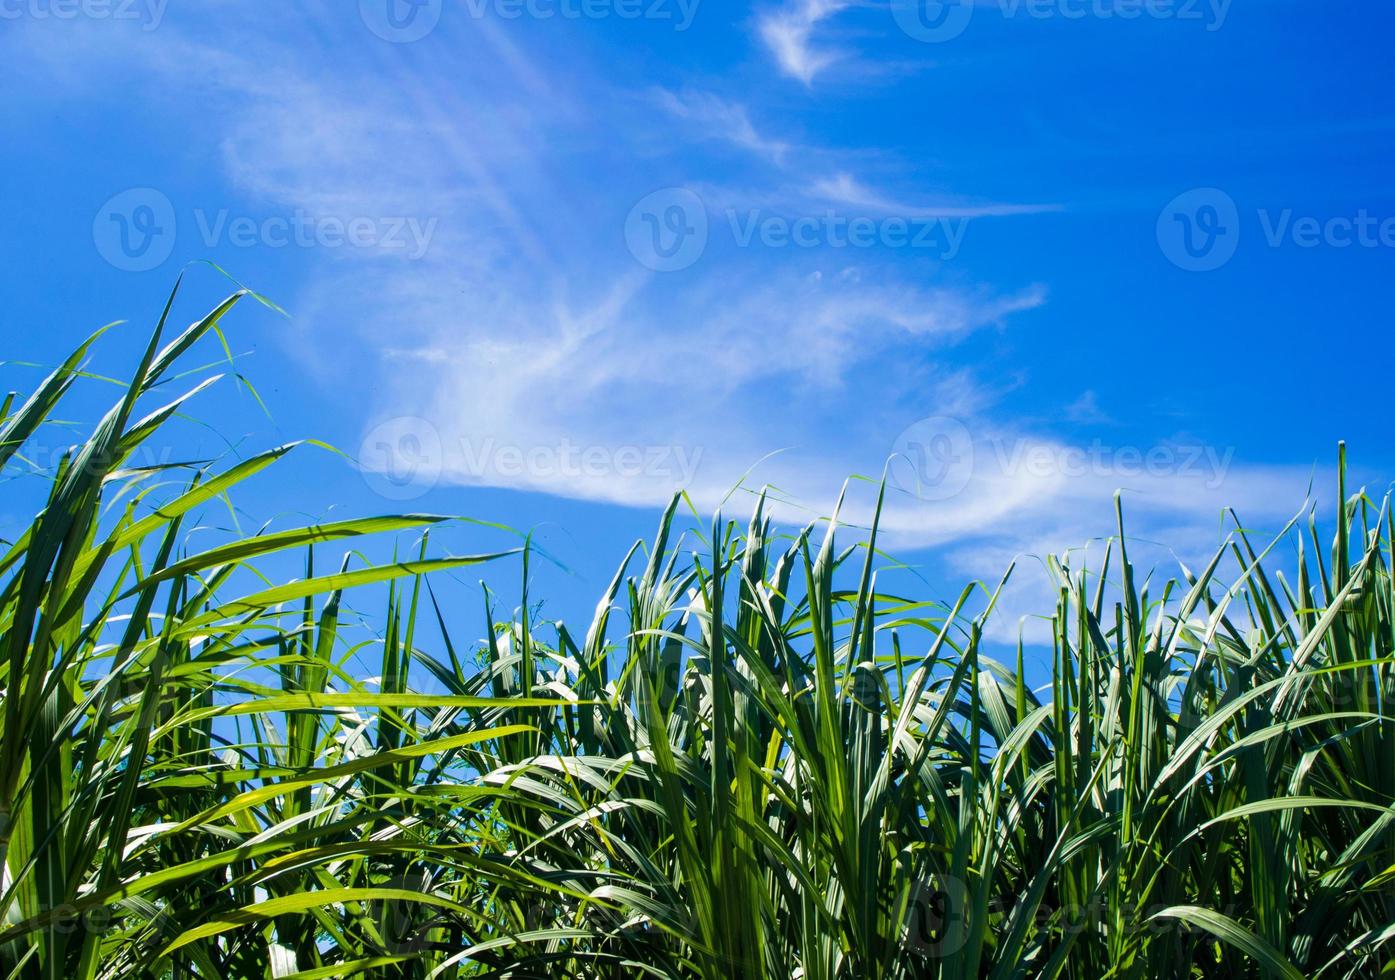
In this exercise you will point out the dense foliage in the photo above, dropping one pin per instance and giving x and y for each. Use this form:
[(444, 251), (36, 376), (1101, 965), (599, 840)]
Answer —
[(753, 764)]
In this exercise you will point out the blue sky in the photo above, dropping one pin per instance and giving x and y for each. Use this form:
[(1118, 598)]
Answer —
[(545, 260)]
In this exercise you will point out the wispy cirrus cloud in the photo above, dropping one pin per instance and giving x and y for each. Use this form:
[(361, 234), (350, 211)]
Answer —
[(789, 35), (845, 189), (527, 331), (715, 118), (804, 168)]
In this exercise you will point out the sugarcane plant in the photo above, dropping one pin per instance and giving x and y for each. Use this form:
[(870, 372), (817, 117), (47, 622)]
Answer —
[(755, 762)]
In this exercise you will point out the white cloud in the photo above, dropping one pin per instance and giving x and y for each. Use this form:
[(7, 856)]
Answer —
[(717, 118), (1086, 410), (1019, 514), (788, 33), (527, 330), (754, 364), (845, 189)]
